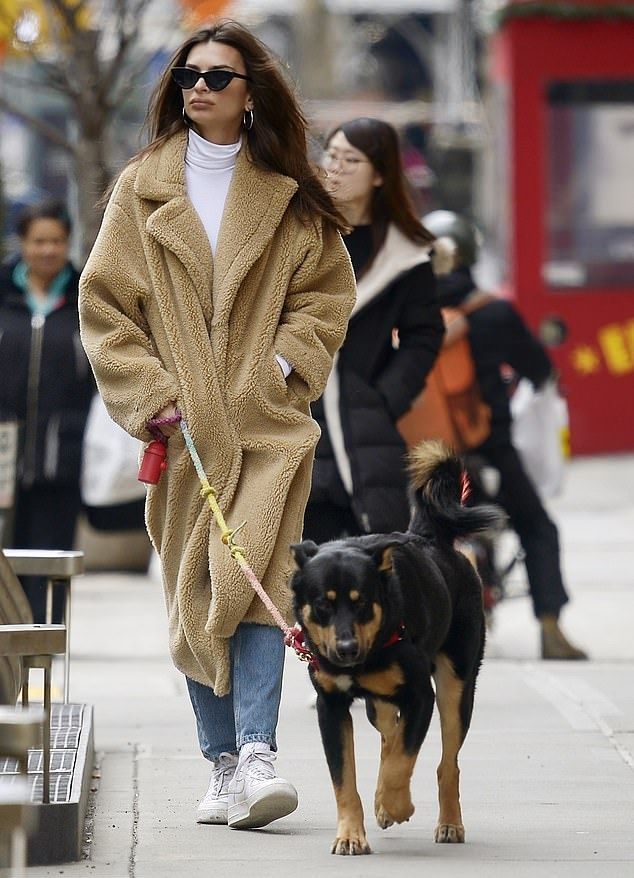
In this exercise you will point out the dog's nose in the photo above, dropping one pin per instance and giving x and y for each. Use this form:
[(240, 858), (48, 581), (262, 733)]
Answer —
[(348, 649)]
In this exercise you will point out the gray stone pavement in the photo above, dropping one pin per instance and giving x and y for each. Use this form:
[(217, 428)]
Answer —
[(547, 769)]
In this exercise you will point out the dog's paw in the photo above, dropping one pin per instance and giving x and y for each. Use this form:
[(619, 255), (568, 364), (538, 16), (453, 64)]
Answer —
[(449, 833), (384, 819), (395, 808), (351, 846)]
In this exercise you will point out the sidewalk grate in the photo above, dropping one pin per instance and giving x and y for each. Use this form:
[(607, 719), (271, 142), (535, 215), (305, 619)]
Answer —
[(66, 723)]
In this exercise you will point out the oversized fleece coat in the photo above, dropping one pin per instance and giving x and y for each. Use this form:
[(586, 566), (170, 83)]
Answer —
[(162, 320)]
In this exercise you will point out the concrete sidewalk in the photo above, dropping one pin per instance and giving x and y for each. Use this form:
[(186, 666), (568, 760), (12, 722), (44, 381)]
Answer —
[(547, 769)]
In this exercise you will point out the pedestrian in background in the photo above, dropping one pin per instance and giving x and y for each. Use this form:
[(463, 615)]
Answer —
[(500, 338), (46, 386), (219, 286), (395, 332)]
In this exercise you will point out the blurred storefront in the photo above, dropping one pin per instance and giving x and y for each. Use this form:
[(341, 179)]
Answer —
[(563, 167), (412, 63)]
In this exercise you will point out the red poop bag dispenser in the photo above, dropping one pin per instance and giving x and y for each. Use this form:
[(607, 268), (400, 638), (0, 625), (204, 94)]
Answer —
[(154, 462)]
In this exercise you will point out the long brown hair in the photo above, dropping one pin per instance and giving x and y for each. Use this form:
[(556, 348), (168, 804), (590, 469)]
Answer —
[(391, 201), (277, 139)]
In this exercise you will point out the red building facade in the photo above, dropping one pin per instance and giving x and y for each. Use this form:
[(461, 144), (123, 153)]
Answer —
[(563, 82)]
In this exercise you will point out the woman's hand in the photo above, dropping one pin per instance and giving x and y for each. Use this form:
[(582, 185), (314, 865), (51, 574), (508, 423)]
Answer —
[(169, 411)]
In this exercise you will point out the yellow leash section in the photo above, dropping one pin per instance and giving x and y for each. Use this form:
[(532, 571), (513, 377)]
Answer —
[(237, 552)]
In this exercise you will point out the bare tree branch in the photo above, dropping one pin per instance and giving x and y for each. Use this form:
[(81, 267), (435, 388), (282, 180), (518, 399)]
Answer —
[(93, 59), (48, 131), (49, 82), (128, 36), (70, 37), (67, 13), (129, 85), (56, 74)]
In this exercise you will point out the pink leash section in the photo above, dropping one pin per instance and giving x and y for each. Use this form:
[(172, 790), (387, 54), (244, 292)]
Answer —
[(293, 637)]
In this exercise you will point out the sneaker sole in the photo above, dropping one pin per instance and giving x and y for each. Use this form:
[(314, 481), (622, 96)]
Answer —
[(218, 818), (262, 809)]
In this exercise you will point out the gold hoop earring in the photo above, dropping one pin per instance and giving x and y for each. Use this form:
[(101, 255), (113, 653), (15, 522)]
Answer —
[(248, 119)]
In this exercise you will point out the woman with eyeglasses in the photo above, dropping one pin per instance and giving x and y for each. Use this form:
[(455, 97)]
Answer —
[(219, 288), (395, 332)]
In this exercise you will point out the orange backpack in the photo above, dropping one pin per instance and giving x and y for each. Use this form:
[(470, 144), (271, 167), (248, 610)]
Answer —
[(451, 407)]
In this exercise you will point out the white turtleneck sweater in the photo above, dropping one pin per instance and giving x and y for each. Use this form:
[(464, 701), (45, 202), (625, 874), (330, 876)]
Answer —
[(209, 168), (208, 171)]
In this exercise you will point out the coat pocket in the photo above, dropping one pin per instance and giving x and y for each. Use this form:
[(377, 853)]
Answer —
[(278, 405), (279, 381), (273, 386)]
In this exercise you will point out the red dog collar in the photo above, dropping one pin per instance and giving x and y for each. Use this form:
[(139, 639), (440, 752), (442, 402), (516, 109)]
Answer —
[(298, 642)]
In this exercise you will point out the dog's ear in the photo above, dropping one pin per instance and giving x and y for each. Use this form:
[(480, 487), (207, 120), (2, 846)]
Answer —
[(304, 551), (384, 560), (381, 549)]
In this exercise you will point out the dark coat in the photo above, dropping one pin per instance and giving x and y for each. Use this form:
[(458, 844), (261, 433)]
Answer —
[(375, 383), (498, 337), (46, 384)]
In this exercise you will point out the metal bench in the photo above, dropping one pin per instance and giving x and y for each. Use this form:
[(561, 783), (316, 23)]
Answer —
[(18, 819), (59, 568), (20, 731), (35, 645), (63, 765)]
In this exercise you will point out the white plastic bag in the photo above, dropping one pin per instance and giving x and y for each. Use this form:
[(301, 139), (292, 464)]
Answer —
[(110, 461), (540, 433)]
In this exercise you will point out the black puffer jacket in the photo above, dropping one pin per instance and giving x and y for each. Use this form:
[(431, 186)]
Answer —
[(498, 337), (46, 384), (375, 384)]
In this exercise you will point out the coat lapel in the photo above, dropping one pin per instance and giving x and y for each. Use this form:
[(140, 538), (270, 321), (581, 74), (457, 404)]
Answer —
[(254, 208), (177, 227), (175, 224), (255, 205)]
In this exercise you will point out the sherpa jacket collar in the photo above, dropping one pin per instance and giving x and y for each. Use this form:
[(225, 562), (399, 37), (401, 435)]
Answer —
[(256, 202)]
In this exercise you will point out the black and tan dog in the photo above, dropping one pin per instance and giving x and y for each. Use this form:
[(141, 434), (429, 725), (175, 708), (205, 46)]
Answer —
[(382, 615)]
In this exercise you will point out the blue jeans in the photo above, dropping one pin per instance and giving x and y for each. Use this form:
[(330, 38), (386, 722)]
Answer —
[(250, 711)]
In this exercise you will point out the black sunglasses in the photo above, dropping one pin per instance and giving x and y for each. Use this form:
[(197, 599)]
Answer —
[(215, 80)]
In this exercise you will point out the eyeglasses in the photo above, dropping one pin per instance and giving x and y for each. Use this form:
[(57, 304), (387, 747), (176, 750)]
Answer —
[(215, 80), (347, 164)]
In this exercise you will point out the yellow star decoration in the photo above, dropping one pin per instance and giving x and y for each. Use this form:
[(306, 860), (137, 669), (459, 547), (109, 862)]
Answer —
[(586, 360)]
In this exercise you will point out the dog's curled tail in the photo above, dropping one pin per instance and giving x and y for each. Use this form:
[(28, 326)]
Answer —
[(437, 483)]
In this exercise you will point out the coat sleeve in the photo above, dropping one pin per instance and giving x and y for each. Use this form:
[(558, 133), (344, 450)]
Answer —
[(315, 316), (420, 334), (131, 378), (522, 350)]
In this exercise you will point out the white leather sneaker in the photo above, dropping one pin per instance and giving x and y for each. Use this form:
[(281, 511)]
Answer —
[(213, 807), (256, 795)]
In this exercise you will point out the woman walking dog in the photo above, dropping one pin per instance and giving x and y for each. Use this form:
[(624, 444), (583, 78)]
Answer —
[(219, 287)]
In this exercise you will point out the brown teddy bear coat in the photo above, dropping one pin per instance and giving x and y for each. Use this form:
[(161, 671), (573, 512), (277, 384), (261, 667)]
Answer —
[(162, 321)]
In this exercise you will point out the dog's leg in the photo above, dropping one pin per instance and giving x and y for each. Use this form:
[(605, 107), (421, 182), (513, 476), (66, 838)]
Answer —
[(451, 697), (335, 724), (392, 799), (402, 733)]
